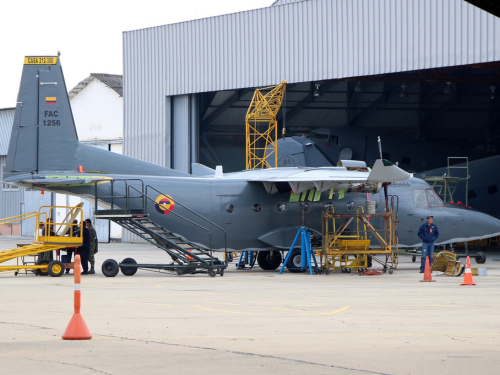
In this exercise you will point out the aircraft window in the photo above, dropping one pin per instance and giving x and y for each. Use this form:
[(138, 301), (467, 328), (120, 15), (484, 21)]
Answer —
[(433, 199), (257, 207), (405, 160), (281, 207), (420, 199), (323, 137), (492, 189), (230, 208), (333, 139), (471, 194)]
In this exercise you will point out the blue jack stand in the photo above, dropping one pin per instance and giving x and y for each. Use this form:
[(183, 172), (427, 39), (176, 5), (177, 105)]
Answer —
[(246, 257), (306, 251)]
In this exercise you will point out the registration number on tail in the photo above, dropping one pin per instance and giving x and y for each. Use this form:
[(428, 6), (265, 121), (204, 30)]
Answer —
[(40, 60)]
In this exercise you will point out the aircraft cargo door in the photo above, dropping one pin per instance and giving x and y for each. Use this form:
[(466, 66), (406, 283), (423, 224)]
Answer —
[(230, 210)]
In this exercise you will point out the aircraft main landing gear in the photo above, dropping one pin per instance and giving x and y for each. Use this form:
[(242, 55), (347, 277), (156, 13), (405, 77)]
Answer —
[(269, 260)]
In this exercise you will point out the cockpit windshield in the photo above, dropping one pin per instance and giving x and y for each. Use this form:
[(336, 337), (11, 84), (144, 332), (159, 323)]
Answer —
[(426, 198), (433, 199)]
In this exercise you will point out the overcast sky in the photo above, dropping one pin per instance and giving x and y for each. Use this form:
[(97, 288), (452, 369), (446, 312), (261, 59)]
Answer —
[(88, 33)]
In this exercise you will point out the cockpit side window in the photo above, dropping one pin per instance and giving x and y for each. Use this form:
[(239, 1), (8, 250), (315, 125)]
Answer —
[(333, 139), (433, 199), (420, 199)]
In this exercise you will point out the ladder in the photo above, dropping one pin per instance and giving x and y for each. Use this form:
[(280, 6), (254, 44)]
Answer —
[(128, 201)]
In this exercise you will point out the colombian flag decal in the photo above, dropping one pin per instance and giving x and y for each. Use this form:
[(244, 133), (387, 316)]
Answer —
[(50, 100)]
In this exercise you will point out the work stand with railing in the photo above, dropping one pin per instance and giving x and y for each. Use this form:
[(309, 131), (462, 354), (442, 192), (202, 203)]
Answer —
[(351, 242), (130, 203), (50, 235)]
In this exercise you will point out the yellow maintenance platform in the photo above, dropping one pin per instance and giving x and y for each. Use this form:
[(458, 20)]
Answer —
[(48, 236), (348, 250)]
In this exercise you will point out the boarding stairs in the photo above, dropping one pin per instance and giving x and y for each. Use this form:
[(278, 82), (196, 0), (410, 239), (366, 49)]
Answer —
[(129, 201)]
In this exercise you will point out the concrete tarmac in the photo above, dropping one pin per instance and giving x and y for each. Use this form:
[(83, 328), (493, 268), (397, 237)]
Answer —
[(250, 321)]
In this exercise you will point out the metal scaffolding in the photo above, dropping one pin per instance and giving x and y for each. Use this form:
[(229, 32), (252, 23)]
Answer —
[(262, 127)]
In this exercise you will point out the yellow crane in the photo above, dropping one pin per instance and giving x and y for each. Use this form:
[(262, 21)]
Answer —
[(262, 127)]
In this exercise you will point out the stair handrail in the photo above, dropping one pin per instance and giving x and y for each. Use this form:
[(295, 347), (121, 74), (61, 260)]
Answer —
[(126, 196), (193, 212), (180, 216)]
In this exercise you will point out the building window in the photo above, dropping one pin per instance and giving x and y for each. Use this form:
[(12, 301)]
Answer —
[(471, 194), (230, 208), (493, 189), (7, 187), (257, 207)]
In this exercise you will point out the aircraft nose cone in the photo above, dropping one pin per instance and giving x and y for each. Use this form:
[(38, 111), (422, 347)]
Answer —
[(481, 225)]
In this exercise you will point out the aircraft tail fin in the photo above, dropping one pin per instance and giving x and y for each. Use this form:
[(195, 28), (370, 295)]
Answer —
[(43, 134)]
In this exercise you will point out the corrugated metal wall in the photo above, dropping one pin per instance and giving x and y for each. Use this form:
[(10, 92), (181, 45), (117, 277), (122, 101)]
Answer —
[(283, 2), (181, 131), (6, 121), (10, 201), (301, 42), (147, 132)]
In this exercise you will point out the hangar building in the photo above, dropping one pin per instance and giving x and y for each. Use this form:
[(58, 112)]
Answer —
[(420, 69)]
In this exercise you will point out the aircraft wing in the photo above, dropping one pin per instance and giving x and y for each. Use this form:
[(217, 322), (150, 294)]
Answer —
[(303, 179), (64, 180)]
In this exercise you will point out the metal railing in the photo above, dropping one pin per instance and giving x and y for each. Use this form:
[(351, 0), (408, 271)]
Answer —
[(142, 194), (113, 197), (191, 211)]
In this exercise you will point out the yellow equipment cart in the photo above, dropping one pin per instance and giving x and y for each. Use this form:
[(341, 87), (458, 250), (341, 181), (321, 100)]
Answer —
[(49, 236), (351, 250)]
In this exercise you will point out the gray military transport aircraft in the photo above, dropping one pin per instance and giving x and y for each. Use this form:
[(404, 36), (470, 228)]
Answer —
[(253, 207)]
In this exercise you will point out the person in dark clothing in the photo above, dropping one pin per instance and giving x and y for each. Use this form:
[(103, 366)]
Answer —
[(428, 233), (84, 250), (74, 231)]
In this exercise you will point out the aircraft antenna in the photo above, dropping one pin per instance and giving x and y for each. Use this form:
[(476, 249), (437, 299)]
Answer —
[(380, 147)]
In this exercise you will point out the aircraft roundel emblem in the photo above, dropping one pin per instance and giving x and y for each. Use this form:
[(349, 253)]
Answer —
[(164, 204)]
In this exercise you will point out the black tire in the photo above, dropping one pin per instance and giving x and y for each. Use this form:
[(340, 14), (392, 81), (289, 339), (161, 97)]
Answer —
[(267, 261), (480, 258), (128, 271), (110, 268), (294, 262), (221, 272), (56, 268), (414, 259), (211, 273), (39, 272)]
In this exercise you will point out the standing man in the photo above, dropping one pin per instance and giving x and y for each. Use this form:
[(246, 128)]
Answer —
[(428, 233), (93, 240), (84, 250)]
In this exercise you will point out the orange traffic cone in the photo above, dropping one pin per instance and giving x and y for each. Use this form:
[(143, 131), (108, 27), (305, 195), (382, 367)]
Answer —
[(189, 257), (427, 272), (468, 273), (77, 329)]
